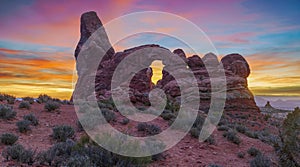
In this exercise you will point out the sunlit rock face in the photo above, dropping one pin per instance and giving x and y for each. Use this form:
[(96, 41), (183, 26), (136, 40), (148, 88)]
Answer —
[(234, 66)]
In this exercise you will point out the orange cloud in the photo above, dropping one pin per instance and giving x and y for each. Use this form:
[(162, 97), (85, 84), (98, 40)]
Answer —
[(34, 76), (273, 71)]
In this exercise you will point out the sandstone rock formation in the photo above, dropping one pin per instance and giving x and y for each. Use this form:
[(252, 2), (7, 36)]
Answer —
[(236, 69)]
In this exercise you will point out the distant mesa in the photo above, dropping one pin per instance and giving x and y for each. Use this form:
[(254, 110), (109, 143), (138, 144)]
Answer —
[(236, 69), (268, 105)]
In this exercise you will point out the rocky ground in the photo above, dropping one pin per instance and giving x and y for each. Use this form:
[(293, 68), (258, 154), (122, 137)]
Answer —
[(188, 152)]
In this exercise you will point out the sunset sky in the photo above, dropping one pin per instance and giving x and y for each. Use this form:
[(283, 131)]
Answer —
[(38, 39)]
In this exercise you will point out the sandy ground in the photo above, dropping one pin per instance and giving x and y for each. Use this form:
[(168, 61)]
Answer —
[(188, 152)]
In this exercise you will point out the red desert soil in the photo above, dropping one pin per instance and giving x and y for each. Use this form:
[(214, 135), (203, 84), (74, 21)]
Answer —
[(188, 152)]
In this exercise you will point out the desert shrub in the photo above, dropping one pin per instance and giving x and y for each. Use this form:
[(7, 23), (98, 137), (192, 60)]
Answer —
[(289, 152), (267, 117), (142, 126), (71, 154), (150, 129), (241, 128), (199, 122), (84, 141), (251, 134), (57, 154), (244, 116), (62, 132), (43, 98), (30, 117), (253, 151), (223, 128), (2, 97), (125, 121), (232, 137), (214, 165), (264, 133), (210, 140), (6, 112), (260, 161), (30, 100), (67, 102), (168, 116), (23, 126), (197, 126), (19, 154), (51, 106), (195, 132), (106, 104), (79, 160), (172, 106), (108, 115), (8, 138), (24, 104), (223, 121), (10, 99), (241, 155)]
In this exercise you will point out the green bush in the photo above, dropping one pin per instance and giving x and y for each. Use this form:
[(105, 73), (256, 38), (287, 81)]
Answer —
[(2, 97), (241, 128), (19, 154), (167, 115), (214, 165), (6, 112), (231, 136), (108, 115), (125, 121), (267, 117), (79, 160), (223, 128), (210, 140), (289, 152), (10, 99), (199, 122), (253, 151), (71, 154), (251, 134), (23, 126), (150, 129), (51, 106), (66, 102), (24, 104), (62, 132), (43, 98), (260, 161), (56, 155), (106, 104), (8, 138), (31, 117), (30, 100), (195, 132), (241, 155)]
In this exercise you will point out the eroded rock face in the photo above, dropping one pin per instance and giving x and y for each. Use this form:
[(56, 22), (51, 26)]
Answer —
[(236, 64), (89, 23), (141, 83), (236, 69)]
